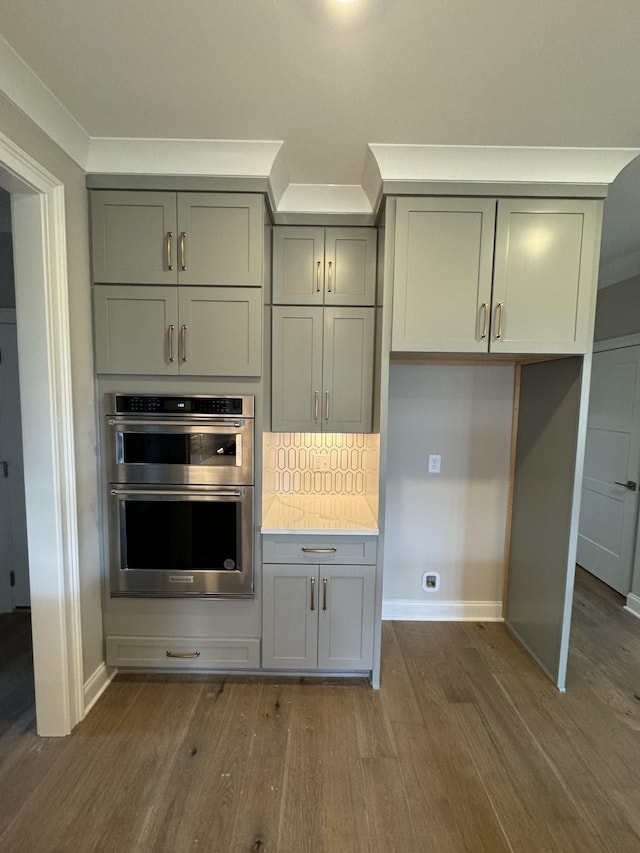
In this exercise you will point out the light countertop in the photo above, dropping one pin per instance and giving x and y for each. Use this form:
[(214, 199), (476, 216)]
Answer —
[(340, 514)]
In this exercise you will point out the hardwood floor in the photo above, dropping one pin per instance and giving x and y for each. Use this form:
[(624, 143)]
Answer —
[(467, 746), (16, 670)]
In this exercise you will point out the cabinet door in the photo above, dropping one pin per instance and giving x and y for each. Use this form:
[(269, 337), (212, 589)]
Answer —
[(220, 239), (289, 616), (544, 283), (136, 329), (220, 331), (345, 629), (347, 373), (133, 237), (442, 274), (350, 266), (298, 266), (296, 369)]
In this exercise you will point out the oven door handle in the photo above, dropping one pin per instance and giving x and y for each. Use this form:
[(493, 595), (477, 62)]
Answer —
[(196, 424), (218, 493)]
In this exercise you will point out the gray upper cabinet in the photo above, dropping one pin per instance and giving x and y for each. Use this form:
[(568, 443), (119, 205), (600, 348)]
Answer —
[(136, 330), (487, 275), (177, 238), (322, 369), (191, 331), (545, 275), (324, 266)]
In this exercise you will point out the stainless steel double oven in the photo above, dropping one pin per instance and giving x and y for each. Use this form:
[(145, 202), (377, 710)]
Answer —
[(181, 476)]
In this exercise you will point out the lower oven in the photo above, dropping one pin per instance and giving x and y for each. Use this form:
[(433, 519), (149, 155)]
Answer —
[(180, 495), (181, 542)]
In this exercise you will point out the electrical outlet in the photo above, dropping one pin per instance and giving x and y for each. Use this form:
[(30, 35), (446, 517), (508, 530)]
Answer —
[(431, 581), (433, 465), (321, 462)]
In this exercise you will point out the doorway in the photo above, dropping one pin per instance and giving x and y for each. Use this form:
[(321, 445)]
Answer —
[(38, 222), (14, 566), (609, 508)]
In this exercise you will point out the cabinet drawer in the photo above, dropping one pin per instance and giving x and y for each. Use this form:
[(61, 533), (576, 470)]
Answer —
[(315, 549), (199, 653)]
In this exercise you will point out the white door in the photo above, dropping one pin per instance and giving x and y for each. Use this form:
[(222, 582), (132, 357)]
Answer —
[(609, 508), (14, 563)]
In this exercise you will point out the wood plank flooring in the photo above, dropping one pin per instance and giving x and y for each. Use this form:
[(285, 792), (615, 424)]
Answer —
[(467, 746)]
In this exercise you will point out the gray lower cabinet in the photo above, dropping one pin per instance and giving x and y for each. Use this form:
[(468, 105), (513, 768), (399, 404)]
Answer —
[(183, 652), (322, 369), (318, 617), (177, 238), (487, 275), (191, 331), (324, 266)]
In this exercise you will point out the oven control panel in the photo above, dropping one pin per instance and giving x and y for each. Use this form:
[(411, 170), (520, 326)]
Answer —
[(148, 404)]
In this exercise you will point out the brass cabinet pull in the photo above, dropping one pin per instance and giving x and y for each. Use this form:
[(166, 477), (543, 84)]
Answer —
[(313, 593), (485, 317), (169, 251), (170, 333), (324, 593), (330, 276), (316, 405), (182, 655), (318, 268), (319, 550), (183, 341), (326, 405), (499, 313), (183, 260)]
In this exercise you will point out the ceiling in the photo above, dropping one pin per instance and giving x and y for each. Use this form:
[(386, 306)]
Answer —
[(328, 79)]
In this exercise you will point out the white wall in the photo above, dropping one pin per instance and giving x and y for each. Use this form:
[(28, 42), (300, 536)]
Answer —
[(453, 522)]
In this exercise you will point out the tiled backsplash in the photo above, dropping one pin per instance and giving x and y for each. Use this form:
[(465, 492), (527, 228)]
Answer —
[(321, 464)]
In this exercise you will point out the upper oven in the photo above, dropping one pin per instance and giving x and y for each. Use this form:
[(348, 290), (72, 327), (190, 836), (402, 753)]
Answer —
[(194, 440)]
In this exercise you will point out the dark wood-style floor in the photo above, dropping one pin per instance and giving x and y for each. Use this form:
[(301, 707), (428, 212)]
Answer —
[(466, 747)]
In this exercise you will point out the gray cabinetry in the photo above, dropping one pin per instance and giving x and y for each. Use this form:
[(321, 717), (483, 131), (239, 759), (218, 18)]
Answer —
[(195, 331), (507, 275), (318, 613), (324, 266), (177, 238), (322, 369)]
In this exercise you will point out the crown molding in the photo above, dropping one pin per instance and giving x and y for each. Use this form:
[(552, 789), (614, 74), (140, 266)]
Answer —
[(497, 164), (388, 169)]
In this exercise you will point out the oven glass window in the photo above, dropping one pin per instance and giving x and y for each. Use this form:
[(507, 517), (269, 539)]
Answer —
[(178, 448), (182, 535)]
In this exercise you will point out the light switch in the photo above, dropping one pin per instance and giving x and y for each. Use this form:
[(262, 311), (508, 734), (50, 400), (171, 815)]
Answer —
[(434, 463)]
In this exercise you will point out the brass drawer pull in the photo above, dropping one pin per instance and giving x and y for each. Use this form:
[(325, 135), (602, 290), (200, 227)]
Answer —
[(182, 655), (183, 335), (169, 252), (485, 317), (499, 313), (183, 260), (319, 550), (171, 355)]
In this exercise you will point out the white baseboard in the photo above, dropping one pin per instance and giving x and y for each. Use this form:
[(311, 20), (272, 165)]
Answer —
[(442, 611), (633, 604), (96, 684)]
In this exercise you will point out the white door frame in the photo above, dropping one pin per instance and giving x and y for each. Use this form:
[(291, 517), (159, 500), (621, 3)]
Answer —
[(42, 312)]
